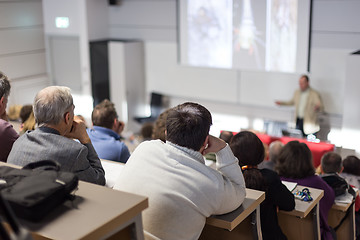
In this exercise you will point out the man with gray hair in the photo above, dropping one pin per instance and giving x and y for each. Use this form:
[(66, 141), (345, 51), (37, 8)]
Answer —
[(274, 151), (8, 135), (54, 138)]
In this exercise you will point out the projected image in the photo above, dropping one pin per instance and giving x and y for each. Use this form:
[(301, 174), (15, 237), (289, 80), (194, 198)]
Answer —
[(281, 49), (209, 33), (249, 34), (244, 34)]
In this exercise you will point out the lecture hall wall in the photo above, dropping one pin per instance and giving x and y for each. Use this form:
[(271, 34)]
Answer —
[(250, 94)]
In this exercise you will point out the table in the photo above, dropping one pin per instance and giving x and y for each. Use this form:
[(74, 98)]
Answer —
[(236, 224), (97, 212), (339, 211), (299, 223)]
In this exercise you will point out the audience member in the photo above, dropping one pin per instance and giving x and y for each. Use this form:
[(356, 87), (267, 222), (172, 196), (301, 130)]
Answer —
[(53, 139), (351, 170), (105, 134), (182, 190), (27, 119), (81, 117), (308, 104), (331, 166), (295, 164), (8, 135), (226, 136), (146, 131), (159, 126), (248, 148), (274, 151)]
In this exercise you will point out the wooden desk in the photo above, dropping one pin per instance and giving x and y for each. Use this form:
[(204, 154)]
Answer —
[(337, 213), (96, 213), (236, 224), (299, 224)]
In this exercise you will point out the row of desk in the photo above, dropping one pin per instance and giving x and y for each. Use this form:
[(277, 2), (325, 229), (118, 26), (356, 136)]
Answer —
[(301, 223), (102, 213)]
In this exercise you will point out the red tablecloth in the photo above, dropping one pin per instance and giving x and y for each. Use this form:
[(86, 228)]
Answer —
[(317, 149)]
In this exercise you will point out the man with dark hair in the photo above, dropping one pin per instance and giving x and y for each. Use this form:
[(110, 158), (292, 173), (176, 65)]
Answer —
[(331, 163), (105, 134), (54, 138), (8, 135), (182, 190), (308, 104)]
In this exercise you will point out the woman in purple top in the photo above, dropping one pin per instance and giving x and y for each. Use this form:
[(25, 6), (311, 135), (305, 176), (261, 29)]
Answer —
[(295, 165)]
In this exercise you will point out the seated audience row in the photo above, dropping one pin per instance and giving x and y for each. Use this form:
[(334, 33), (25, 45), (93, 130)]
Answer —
[(8, 135), (171, 170), (105, 133), (182, 190), (53, 139), (249, 150), (332, 172), (295, 164)]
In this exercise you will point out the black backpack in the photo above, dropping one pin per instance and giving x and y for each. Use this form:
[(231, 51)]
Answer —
[(339, 184), (37, 188)]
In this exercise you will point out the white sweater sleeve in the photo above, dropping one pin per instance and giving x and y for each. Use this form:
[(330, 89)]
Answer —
[(234, 185)]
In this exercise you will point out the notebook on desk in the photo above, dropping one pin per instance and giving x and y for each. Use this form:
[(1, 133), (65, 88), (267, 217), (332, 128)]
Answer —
[(290, 185)]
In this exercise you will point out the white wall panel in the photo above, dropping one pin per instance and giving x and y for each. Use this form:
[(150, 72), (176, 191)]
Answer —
[(262, 88), (336, 16), (328, 76), (20, 14), (352, 97), (143, 33), (22, 50), (22, 65), (153, 14), (335, 40), (21, 40), (165, 75), (97, 19), (24, 90)]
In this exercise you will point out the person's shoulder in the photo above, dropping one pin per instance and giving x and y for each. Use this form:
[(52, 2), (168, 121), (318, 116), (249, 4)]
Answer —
[(151, 144), (270, 175), (6, 126)]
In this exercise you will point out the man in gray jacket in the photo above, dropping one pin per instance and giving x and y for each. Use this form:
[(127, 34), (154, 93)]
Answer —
[(54, 138)]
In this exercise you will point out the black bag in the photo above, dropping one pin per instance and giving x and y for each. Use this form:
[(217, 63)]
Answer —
[(37, 188), (337, 183)]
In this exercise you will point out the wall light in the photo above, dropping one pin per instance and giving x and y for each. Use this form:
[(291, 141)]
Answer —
[(62, 22)]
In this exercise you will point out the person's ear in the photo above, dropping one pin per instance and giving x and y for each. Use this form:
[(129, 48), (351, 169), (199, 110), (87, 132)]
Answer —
[(205, 145), (342, 168), (115, 124), (67, 117)]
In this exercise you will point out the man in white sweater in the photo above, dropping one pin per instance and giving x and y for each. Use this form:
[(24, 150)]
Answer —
[(182, 190)]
